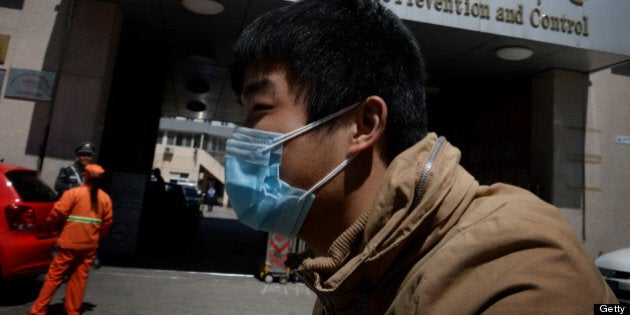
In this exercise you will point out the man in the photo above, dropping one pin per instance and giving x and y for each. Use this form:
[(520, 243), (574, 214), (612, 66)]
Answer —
[(70, 176), (86, 214), (211, 196), (335, 151)]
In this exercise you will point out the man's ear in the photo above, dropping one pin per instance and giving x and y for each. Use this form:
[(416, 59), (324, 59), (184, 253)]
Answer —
[(369, 124)]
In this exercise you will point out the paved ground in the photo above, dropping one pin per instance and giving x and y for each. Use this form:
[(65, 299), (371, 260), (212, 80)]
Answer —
[(211, 274), (120, 291)]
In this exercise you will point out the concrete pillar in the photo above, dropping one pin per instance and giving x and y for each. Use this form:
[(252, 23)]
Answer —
[(558, 126), (79, 107), (607, 173)]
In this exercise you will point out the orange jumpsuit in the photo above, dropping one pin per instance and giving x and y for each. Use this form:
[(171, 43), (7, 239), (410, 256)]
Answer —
[(76, 244)]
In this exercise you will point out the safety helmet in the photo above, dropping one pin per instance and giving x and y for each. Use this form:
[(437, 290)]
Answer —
[(86, 147), (93, 171)]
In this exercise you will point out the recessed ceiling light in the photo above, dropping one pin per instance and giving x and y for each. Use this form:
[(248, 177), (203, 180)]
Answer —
[(514, 53), (204, 6)]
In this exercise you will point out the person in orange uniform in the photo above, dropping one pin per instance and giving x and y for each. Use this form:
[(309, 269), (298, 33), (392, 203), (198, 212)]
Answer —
[(87, 212)]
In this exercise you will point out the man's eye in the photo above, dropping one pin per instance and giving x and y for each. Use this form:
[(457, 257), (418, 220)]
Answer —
[(255, 114)]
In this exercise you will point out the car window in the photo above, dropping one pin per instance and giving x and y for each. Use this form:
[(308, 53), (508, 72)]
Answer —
[(30, 188)]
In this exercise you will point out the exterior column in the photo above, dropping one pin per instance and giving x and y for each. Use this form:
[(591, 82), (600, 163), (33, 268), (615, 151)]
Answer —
[(84, 81), (607, 168), (558, 131)]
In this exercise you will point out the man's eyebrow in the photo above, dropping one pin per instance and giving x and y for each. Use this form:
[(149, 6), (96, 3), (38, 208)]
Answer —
[(255, 87)]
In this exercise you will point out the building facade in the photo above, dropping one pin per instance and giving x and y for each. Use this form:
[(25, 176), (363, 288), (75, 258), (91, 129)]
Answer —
[(191, 152)]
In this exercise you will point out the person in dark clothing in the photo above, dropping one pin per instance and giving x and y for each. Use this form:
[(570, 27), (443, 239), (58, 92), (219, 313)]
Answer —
[(71, 176), (156, 176)]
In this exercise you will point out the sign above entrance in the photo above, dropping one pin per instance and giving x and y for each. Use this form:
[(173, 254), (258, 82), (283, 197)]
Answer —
[(595, 25)]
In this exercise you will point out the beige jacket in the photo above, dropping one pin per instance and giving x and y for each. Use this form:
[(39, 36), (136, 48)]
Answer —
[(436, 242)]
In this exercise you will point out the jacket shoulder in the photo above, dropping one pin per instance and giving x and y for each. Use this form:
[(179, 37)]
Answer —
[(507, 202), (510, 250)]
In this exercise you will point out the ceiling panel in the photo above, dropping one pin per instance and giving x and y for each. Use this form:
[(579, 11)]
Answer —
[(580, 60), (447, 38), (450, 53), (216, 26)]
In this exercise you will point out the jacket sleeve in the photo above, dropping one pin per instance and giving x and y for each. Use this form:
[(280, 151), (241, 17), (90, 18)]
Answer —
[(61, 209), (507, 266), (105, 227), (107, 219), (55, 220), (62, 183)]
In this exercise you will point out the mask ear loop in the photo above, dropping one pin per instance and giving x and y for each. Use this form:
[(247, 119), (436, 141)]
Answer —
[(288, 136), (328, 177)]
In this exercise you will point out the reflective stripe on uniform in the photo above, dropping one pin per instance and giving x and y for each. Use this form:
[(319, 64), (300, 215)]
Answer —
[(76, 218), (79, 178)]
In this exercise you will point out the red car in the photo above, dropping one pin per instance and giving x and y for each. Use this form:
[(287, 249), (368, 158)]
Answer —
[(25, 244)]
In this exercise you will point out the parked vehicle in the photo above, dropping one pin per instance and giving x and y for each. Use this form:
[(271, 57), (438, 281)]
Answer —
[(193, 200), (175, 197), (184, 214), (25, 202), (615, 266)]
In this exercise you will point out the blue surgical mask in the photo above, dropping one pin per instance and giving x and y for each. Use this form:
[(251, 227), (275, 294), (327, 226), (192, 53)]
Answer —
[(259, 197)]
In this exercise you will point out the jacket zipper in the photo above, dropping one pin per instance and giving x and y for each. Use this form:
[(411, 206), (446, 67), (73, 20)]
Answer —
[(419, 191)]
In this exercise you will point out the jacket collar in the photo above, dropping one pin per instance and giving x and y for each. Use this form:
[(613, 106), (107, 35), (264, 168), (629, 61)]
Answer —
[(419, 200)]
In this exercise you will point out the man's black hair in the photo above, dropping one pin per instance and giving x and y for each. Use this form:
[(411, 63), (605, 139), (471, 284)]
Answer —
[(338, 52)]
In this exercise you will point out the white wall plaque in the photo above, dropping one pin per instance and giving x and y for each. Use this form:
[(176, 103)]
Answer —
[(30, 84), (622, 139)]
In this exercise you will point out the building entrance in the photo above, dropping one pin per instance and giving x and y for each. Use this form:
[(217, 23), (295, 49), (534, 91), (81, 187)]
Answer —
[(490, 122)]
